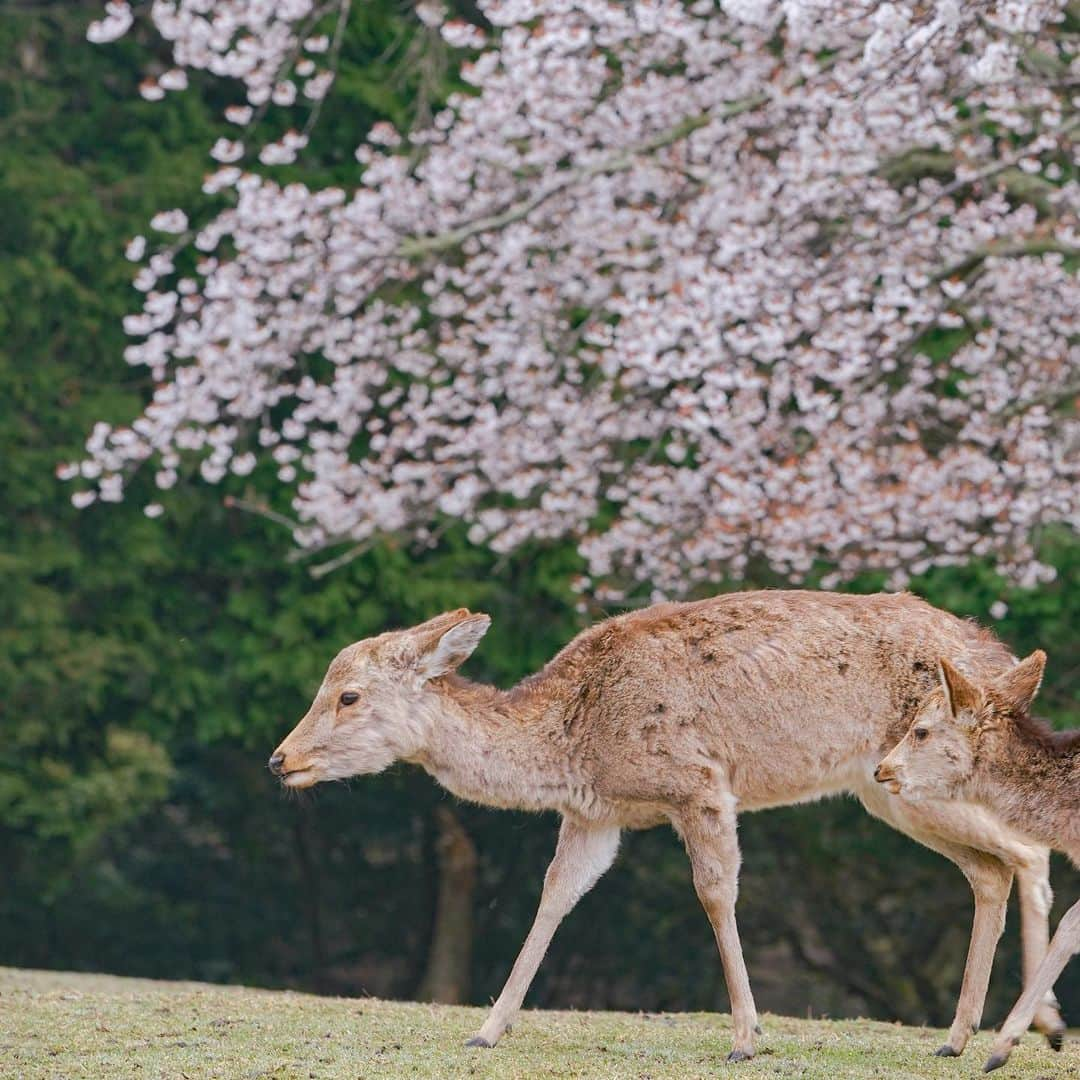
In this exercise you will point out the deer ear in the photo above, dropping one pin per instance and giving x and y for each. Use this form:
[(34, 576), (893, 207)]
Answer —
[(960, 693), (1019, 685), (444, 652), (439, 623)]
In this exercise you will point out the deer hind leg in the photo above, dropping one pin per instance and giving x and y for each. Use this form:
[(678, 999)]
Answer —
[(709, 834), (581, 857), (1036, 899), (949, 829), (1065, 945)]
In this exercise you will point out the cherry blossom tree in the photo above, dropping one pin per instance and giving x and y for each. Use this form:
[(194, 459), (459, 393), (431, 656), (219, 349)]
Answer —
[(690, 283)]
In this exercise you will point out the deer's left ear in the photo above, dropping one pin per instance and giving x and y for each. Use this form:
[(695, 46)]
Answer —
[(1019, 685), (452, 648), (962, 696)]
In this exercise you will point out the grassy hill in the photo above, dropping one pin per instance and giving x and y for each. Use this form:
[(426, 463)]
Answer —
[(55, 1024)]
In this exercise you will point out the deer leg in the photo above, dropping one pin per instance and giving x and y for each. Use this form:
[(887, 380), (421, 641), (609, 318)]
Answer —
[(581, 857), (1065, 945), (978, 831), (1036, 899), (990, 880), (712, 844), (958, 832)]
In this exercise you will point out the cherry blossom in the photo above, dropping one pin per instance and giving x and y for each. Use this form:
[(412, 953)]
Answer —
[(697, 286), (115, 24)]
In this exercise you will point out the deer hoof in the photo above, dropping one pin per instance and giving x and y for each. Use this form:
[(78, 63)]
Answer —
[(757, 1030), (995, 1062), (739, 1055), (1056, 1039), (946, 1051), (477, 1041)]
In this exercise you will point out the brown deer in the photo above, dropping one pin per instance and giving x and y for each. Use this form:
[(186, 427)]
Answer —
[(687, 714), (982, 744)]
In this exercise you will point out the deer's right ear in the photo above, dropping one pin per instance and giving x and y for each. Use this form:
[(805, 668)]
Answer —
[(1021, 683), (443, 653), (961, 695)]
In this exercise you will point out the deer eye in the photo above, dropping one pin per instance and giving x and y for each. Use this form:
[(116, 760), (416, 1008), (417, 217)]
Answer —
[(350, 697), (920, 734)]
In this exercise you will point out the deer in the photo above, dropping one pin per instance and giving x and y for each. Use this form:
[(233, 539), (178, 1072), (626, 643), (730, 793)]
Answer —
[(979, 742), (684, 714)]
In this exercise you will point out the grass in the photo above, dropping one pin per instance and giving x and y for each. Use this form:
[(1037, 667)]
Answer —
[(56, 1024)]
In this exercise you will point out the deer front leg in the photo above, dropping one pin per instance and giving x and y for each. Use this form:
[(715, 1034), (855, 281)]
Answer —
[(991, 882), (1065, 945), (975, 841), (581, 857), (712, 843)]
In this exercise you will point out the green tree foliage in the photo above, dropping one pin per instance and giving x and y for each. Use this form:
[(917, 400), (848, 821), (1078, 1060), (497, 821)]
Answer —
[(149, 667)]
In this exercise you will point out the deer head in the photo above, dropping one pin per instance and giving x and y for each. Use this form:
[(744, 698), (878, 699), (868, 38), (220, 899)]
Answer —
[(957, 726), (375, 705)]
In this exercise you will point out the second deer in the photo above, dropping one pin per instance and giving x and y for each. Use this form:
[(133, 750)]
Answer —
[(980, 742)]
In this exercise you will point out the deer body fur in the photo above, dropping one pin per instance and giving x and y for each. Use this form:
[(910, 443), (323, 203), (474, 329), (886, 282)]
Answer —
[(689, 714)]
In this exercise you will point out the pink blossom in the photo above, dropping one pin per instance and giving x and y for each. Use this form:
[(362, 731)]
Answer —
[(117, 22), (170, 221), (176, 79), (227, 150), (662, 284)]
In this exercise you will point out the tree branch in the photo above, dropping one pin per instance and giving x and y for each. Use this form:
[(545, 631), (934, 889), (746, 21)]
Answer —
[(260, 509), (1007, 249), (985, 173), (332, 62), (328, 567), (1051, 396), (416, 247)]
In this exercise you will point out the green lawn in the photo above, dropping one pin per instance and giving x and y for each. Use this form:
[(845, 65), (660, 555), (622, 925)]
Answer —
[(67, 1025)]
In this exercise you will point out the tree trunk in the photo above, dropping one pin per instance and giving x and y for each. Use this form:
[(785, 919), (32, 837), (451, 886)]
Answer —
[(446, 979)]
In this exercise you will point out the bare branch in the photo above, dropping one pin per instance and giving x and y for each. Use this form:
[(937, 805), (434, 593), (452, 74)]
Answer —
[(328, 567), (260, 509)]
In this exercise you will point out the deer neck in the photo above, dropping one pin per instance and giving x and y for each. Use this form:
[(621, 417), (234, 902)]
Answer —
[(497, 748), (1035, 785)]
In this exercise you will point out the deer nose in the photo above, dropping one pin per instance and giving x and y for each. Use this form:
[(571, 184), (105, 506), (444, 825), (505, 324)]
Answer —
[(277, 759)]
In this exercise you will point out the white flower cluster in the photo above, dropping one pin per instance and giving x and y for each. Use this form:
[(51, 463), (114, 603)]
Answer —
[(695, 285), (115, 24), (258, 42)]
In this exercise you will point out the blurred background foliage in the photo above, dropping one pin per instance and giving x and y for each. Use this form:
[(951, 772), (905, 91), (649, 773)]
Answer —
[(147, 668)]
